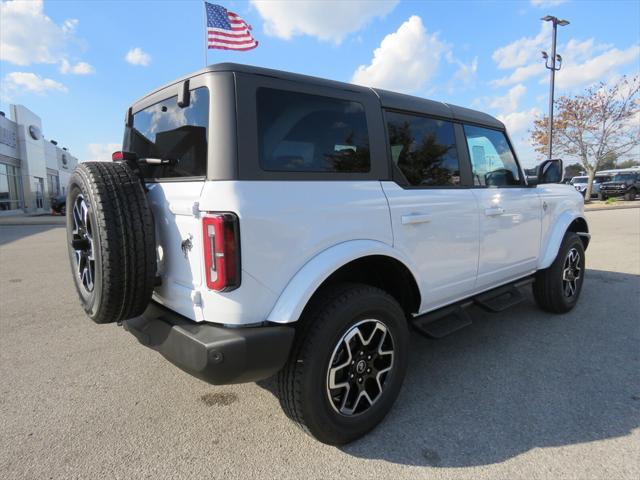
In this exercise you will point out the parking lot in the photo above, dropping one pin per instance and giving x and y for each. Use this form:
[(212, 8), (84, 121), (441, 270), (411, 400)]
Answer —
[(517, 395)]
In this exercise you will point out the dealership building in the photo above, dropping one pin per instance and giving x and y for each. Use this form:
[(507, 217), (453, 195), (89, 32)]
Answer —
[(32, 169)]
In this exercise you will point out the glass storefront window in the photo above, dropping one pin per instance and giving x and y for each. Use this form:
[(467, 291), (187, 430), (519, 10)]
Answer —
[(10, 191)]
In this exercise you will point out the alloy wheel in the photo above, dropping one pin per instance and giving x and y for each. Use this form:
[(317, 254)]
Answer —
[(82, 244), (359, 367), (571, 273)]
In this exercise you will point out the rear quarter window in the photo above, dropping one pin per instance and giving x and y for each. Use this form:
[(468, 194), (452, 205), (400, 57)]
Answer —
[(299, 132)]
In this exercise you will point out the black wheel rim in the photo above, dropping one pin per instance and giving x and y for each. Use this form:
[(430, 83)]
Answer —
[(82, 244), (571, 273), (360, 367)]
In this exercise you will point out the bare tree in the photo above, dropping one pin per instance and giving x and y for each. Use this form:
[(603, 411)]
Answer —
[(601, 123)]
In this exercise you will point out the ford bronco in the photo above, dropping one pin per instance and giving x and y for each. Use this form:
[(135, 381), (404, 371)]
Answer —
[(258, 222)]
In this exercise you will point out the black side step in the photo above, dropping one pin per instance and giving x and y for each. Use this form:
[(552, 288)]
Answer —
[(444, 321), (502, 298)]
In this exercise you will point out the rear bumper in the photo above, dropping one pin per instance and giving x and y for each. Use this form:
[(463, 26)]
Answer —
[(214, 354)]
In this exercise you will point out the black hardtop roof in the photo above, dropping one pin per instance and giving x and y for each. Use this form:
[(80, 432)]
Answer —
[(388, 99)]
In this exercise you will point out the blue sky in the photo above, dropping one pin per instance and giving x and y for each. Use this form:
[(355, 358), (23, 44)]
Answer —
[(78, 64)]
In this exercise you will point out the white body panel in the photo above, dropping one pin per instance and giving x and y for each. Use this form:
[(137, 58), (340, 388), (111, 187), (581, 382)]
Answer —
[(561, 205), (438, 229), (293, 235), (510, 222), (283, 225)]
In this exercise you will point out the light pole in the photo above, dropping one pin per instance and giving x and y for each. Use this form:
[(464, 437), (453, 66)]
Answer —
[(550, 63)]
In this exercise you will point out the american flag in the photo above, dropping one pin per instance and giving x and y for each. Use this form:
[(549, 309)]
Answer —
[(226, 30)]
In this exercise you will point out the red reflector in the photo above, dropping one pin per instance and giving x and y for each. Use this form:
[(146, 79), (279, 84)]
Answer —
[(221, 239), (117, 156)]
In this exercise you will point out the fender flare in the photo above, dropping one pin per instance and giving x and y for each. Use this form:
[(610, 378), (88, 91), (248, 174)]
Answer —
[(306, 281), (555, 238)]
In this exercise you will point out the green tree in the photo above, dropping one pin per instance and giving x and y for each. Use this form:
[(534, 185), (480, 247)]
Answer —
[(573, 170)]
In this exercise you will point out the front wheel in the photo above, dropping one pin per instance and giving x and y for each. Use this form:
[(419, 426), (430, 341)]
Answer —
[(602, 196), (630, 195), (347, 365), (557, 288)]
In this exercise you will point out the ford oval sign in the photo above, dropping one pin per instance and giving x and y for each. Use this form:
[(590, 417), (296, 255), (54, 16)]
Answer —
[(35, 132)]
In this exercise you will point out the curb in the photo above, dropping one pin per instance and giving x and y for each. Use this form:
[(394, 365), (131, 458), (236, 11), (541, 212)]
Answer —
[(617, 207)]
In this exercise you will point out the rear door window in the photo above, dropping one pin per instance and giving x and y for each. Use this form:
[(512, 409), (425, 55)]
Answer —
[(166, 131), (299, 132), (424, 149)]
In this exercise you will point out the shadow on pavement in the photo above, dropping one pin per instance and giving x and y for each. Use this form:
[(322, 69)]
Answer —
[(12, 233), (518, 380)]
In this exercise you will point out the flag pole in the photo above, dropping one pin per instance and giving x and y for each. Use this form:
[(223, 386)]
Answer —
[(206, 34)]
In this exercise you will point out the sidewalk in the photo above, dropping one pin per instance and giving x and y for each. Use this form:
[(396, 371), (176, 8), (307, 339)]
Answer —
[(32, 220)]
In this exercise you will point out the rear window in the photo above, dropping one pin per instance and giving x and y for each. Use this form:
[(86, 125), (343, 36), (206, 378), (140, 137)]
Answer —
[(166, 131), (298, 132)]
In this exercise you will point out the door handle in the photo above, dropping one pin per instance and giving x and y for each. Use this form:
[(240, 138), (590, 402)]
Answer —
[(413, 218), (493, 211)]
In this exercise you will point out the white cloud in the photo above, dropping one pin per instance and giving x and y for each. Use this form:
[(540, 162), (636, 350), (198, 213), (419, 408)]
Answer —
[(524, 50), (286, 19), (29, 36), (80, 68), (518, 122), (136, 56), (25, 81), (521, 74), (466, 73), (405, 60), (509, 102), (101, 152), (547, 3), (574, 74)]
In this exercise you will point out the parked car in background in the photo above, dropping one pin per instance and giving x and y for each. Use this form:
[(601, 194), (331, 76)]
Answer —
[(59, 204), (580, 184), (625, 185)]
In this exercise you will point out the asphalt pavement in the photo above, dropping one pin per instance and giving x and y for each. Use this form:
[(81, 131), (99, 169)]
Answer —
[(517, 395)]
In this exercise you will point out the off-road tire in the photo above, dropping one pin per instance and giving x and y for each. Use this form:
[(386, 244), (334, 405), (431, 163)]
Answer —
[(631, 194), (123, 235), (548, 289), (302, 383)]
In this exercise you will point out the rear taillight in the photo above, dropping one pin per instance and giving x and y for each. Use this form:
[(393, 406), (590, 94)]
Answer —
[(222, 251), (121, 156)]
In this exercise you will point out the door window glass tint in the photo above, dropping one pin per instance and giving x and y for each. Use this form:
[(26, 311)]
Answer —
[(309, 133), (424, 149), (166, 131), (492, 160)]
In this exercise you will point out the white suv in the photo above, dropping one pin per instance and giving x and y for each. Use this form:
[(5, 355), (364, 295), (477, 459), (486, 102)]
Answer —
[(261, 222)]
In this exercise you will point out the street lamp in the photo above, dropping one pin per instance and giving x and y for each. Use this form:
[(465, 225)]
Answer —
[(553, 63)]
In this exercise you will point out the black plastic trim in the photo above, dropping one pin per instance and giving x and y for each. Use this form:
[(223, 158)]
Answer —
[(215, 354)]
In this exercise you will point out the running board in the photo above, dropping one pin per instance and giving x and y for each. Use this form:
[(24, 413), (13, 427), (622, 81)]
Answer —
[(446, 320), (502, 298)]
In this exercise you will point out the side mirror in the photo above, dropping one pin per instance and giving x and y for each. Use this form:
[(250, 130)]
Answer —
[(550, 171)]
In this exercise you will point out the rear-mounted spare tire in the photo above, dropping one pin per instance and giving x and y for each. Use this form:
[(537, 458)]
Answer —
[(111, 238)]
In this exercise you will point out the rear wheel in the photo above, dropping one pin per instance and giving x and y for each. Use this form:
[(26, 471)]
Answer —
[(347, 364), (111, 241), (557, 288)]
